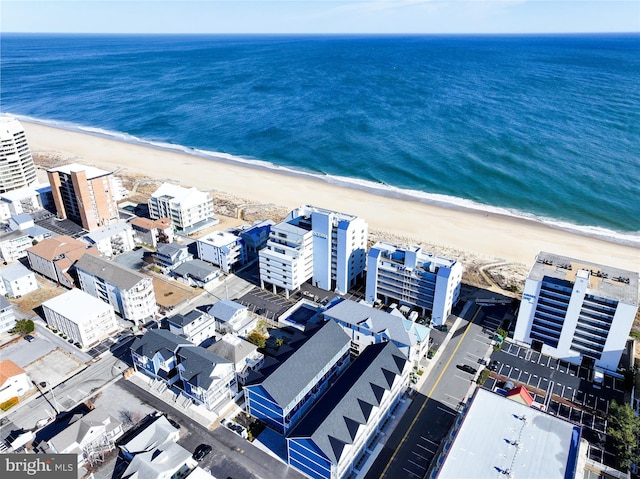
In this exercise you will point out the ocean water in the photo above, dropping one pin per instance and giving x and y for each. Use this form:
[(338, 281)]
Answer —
[(543, 127)]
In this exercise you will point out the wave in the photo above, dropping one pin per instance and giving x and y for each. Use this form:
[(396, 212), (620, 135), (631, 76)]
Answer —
[(378, 188)]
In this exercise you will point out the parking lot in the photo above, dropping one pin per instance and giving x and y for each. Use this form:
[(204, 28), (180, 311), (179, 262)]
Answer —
[(564, 390)]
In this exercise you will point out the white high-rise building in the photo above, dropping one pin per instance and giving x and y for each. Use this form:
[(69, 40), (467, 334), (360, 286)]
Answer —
[(338, 247), (578, 311), (325, 245), (17, 169), (189, 209), (413, 278)]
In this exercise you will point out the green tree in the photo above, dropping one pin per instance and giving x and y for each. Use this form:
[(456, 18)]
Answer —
[(23, 326), (254, 337), (624, 429), (279, 342)]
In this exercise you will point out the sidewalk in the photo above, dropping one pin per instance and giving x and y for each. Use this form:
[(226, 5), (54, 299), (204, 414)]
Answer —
[(199, 414)]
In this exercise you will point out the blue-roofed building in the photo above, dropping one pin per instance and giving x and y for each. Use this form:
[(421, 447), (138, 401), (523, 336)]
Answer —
[(283, 393), (255, 238), (232, 318), (336, 432), (366, 325), (197, 374)]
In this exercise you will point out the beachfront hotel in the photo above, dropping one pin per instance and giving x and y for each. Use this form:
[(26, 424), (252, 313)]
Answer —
[(578, 311), (189, 209), (17, 169), (85, 195), (413, 278), (316, 243)]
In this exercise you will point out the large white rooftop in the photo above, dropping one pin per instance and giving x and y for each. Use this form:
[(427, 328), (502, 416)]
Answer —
[(502, 438), (219, 238)]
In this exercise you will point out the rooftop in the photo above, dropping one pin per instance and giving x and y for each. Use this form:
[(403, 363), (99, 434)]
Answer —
[(91, 171), (604, 281), (500, 435), (225, 309), (107, 231), (219, 238), (198, 365), (156, 340), (123, 278), (333, 421), (178, 194), (74, 305), (146, 223), (52, 248), (370, 319), (151, 436), (298, 370), (233, 348), (9, 369), (400, 256), (197, 269), (15, 271), (185, 319)]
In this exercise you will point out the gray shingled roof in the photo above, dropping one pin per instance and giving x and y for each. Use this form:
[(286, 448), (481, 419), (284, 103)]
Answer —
[(183, 319), (155, 464), (156, 340), (333, 421), (294, 374), (198, 364), (170, 249), (195, 268), (233, 352), (153, 435), (225, 309), (370, 319), (122, 277)]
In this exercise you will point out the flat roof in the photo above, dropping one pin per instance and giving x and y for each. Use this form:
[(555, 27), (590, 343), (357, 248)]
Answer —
[(219, 238), (91, 171), (499, 436), (75, 303), (605, 281)]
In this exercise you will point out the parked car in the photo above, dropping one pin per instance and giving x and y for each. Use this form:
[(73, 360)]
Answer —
[(30, 338), (468, 369), (201, 452)]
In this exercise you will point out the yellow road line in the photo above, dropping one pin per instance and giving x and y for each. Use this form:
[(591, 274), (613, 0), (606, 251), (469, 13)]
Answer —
[(404, 438)]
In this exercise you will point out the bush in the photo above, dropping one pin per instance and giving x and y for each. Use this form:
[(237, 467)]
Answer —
[(9, 403), (254, 337), (484, 375), (23, 326)]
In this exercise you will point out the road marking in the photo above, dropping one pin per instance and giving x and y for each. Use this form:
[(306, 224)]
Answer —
[(412, 473), (416, 464), (430, 441), (425, 448), (428, 397)]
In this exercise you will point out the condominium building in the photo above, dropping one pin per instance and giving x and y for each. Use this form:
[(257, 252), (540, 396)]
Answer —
[(222, 249), (130, 293), (85, 319), (112, 240), (189, 209), (578, 311), (17, 280), (411, 277), (342, 427), (84, 194), (14, 245), (312, 242), (53, 257), (283, 392), (152, 232), (17, 169), (22, 200)]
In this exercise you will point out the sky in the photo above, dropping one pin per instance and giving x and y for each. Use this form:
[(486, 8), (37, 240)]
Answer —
[(320, 16)]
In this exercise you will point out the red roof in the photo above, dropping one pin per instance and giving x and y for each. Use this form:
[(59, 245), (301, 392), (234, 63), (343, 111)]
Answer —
[(520, 394)]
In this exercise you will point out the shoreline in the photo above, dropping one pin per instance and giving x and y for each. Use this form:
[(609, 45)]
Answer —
[(493, 236), (630, 238)]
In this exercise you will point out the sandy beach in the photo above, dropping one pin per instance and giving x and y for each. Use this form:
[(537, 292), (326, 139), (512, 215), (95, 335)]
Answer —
[(489, 238)]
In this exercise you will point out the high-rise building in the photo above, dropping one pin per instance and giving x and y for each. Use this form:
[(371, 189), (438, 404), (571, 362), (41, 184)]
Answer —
[(17, 169), (578, 311), (317, 243), (413, 278), (85, 194)]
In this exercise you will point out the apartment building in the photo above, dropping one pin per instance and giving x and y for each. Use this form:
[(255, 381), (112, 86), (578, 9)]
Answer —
[(281, 394), (17, 280), (578, 311), (82, 317), (413, 278), (190, 210), (222, 249), (336, 433), (112, 240), (54, 257), (130, 293), (152, 232), (17, 169), (85, 195), (366, 325)]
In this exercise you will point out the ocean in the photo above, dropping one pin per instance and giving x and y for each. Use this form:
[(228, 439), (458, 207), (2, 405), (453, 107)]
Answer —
[(541, 127)]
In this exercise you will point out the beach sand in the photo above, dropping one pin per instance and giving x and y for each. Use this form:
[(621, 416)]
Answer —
[(487, 238)]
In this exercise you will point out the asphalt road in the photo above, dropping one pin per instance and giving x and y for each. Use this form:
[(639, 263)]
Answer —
[(232, 456), (415, 440)]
